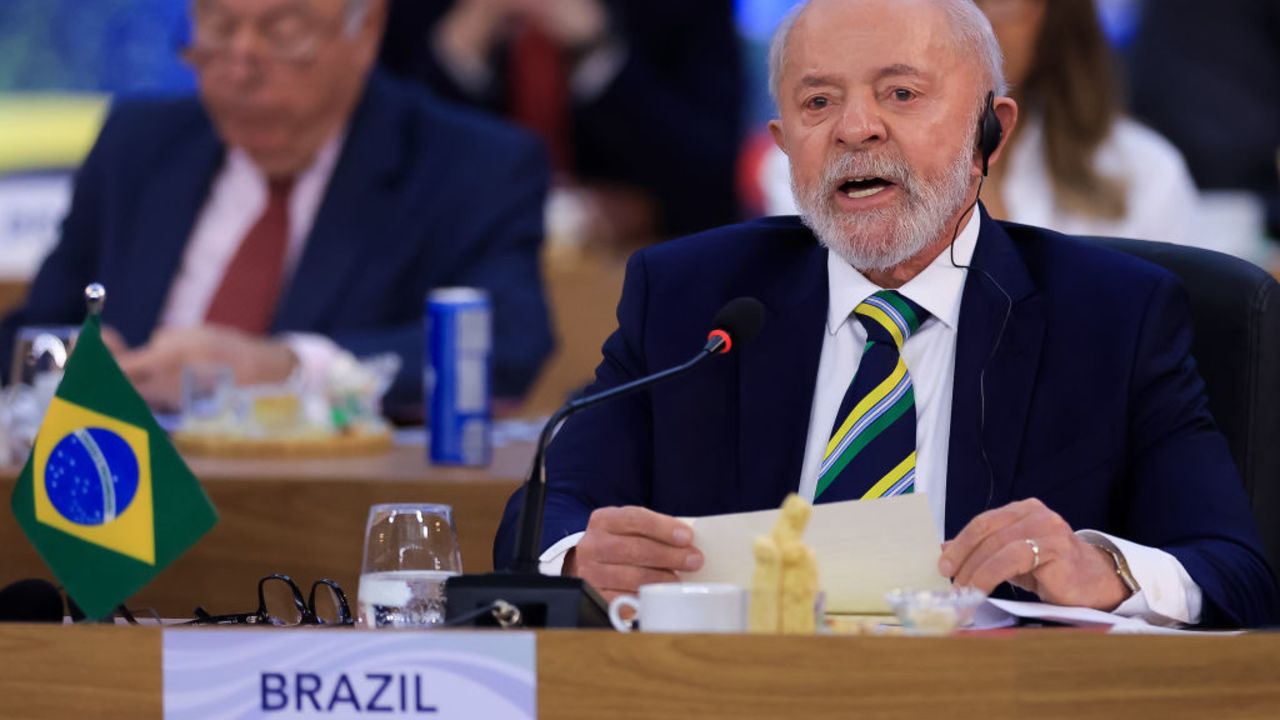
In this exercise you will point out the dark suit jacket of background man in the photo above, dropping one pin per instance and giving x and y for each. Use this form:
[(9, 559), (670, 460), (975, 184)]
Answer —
[(1093, 403), (670, 123), (423, 195)]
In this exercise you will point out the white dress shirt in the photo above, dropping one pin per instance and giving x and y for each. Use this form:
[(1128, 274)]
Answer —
[(1167, 596), (930, 356), (237, 198)]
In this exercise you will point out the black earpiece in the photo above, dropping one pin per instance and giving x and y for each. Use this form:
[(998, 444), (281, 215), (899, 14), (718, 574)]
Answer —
[(990, 131)]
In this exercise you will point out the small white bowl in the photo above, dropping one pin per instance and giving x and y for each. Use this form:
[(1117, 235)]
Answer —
[(934, 612)]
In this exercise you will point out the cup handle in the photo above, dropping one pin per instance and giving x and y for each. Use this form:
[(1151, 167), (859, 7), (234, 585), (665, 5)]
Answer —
[(614, 612)]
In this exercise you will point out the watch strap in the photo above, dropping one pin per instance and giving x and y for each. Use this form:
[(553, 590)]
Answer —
[(1122, 570)]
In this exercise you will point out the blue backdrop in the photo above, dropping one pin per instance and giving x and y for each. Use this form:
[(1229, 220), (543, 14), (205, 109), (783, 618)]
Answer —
[(100, 46)]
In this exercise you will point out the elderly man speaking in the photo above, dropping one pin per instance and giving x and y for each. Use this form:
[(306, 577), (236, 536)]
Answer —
[(1038, 388), (303, 203)]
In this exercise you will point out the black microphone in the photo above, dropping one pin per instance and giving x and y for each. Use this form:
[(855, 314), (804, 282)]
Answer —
[(31, 601), (568, 601), (739, 321)]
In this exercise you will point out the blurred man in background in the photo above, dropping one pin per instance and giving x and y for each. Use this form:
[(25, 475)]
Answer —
[(302, 204), (636, 98)]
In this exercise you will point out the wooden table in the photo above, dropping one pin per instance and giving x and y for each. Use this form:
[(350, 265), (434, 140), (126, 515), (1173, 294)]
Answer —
[(305, 518), (114, 672)]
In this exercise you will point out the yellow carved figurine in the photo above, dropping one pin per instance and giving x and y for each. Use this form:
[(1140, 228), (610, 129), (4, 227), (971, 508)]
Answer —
[(766, 587), (799, 590), (785, 586)]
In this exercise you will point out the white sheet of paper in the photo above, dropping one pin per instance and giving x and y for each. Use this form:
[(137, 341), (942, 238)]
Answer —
[(1081, 617), (1078, 616), (865, 548)]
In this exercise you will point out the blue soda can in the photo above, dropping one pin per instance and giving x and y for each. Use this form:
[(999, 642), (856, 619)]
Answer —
[(455, 378)]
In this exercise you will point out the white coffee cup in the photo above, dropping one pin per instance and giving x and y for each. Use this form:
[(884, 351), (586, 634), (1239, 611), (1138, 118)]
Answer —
[(683, 607)]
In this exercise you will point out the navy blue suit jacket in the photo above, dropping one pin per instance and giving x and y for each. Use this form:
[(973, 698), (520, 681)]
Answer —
[(1093, 403), (670, 122), (423, 195)]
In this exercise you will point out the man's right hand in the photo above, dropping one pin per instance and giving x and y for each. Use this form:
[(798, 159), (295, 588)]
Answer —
[(626, 547), (470, 29), (114, 341)]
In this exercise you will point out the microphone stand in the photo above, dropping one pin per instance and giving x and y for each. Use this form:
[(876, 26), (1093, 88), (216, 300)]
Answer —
[(547, 600)]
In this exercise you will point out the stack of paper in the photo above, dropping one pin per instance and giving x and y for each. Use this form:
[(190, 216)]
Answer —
[(865, 548)]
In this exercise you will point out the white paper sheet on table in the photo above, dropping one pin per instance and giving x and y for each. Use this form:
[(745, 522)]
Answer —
[(1078, 616), (865, 548), (997, 613)]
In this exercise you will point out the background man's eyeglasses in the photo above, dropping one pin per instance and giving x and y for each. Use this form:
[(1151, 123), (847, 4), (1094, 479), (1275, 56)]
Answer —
[(281, 604), (287, 36)]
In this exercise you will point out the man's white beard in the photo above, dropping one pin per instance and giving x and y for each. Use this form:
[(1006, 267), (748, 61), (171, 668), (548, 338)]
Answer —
[(859, 238)]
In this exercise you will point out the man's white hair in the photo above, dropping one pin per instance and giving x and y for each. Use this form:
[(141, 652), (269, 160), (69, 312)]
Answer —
[(972, 30)]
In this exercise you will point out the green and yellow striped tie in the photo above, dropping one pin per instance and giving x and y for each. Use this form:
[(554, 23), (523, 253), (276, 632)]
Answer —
[(872, 451)]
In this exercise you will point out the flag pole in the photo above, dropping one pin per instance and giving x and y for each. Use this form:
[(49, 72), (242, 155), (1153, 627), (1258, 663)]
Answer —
[(94, 297)]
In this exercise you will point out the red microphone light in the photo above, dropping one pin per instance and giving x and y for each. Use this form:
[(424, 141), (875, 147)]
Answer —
[(726, 341)]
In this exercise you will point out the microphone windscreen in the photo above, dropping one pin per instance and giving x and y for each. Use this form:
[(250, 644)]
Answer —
[(742, 318), (30, 601)]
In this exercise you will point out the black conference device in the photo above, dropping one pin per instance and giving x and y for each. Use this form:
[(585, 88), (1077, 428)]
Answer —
[(31, 601), (557, 601)]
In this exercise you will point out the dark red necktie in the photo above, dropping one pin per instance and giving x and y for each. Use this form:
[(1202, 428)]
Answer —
[(540, 91), (246, 298)]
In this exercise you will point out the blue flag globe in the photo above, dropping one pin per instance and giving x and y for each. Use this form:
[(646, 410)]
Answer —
[(92, 476)]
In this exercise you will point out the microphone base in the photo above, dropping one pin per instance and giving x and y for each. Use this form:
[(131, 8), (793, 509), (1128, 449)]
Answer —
[(545, 601)]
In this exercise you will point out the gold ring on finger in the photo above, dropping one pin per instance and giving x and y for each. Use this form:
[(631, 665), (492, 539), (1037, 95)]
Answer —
[(1035, 554)]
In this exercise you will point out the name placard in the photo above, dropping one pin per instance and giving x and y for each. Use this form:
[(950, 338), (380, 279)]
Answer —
[(329, 673)]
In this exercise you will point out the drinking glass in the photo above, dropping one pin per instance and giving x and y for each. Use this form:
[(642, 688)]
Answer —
[(39, 351), (409, 552), (206, 393)]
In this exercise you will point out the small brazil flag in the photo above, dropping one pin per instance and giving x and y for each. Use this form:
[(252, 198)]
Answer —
[(104, 497)]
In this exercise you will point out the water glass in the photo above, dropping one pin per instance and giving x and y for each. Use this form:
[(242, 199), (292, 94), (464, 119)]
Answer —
[(207, 389), (39, 351), (409, 552)]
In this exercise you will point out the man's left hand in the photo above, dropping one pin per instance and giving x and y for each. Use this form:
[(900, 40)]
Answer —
[(993, 548), (156, 368)]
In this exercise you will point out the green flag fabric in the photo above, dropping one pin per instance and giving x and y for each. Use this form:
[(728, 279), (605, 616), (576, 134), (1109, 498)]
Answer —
[(104, 497)]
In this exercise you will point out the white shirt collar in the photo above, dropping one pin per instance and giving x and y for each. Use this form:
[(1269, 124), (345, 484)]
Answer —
[(242, 167), (938, 288)]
